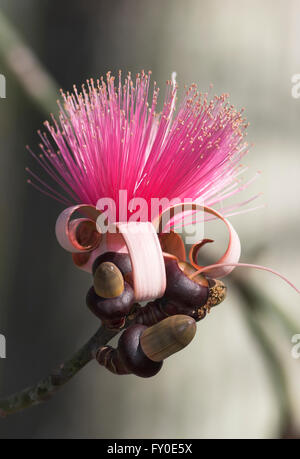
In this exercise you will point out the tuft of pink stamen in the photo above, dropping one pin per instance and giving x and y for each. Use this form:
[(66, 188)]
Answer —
[(110, 137)]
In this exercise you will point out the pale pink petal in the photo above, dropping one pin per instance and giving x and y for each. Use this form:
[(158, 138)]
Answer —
[(233, 252), (148, 267), (140, 241)]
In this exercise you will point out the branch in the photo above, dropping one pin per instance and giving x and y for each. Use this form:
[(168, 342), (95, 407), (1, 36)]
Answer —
[(49, 385)]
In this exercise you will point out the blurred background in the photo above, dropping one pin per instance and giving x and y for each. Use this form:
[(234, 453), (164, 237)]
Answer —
[(237, 378)]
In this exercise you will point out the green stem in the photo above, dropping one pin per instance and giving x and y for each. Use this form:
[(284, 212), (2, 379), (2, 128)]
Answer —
[(49, 385)]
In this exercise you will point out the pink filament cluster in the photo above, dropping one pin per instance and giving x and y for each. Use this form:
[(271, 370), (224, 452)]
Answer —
[(110, 137)]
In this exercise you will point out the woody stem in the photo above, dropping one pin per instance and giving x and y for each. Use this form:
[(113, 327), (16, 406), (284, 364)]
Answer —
[(49, 385)]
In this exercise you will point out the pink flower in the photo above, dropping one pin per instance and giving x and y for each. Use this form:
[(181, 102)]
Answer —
[(110, 138)]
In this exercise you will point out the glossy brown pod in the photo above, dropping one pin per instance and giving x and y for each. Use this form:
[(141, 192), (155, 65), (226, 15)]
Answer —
[(168, 337), (181, 289), (132, 355), (112, 311), (108, 280), (121, 260)]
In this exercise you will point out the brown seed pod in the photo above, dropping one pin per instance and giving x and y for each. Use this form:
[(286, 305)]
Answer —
[(121, 260), (112, 311), (183, 290), (167, 337), (141, 350), (139, 364), (108, 280), (132, 355)]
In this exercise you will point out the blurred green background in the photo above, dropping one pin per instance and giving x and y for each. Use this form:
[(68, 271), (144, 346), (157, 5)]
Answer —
[(237, 378)]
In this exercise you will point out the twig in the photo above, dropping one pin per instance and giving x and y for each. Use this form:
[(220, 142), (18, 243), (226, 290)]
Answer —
[(49, 385)]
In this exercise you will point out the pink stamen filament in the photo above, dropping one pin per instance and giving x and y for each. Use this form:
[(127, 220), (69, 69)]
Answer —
[(109, 138), (246, 265)]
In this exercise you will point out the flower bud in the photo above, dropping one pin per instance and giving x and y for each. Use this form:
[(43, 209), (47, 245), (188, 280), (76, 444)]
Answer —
[(168, 337), (132, 355), (183, 290), (108, 280)]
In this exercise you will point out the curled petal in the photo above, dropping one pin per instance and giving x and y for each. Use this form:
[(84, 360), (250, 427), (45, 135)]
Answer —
[(78, 235), (193, 255), (173, 244), (141, 242), (230, 257)]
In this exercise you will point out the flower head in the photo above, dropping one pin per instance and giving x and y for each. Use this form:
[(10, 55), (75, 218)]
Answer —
[(110, 137)]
